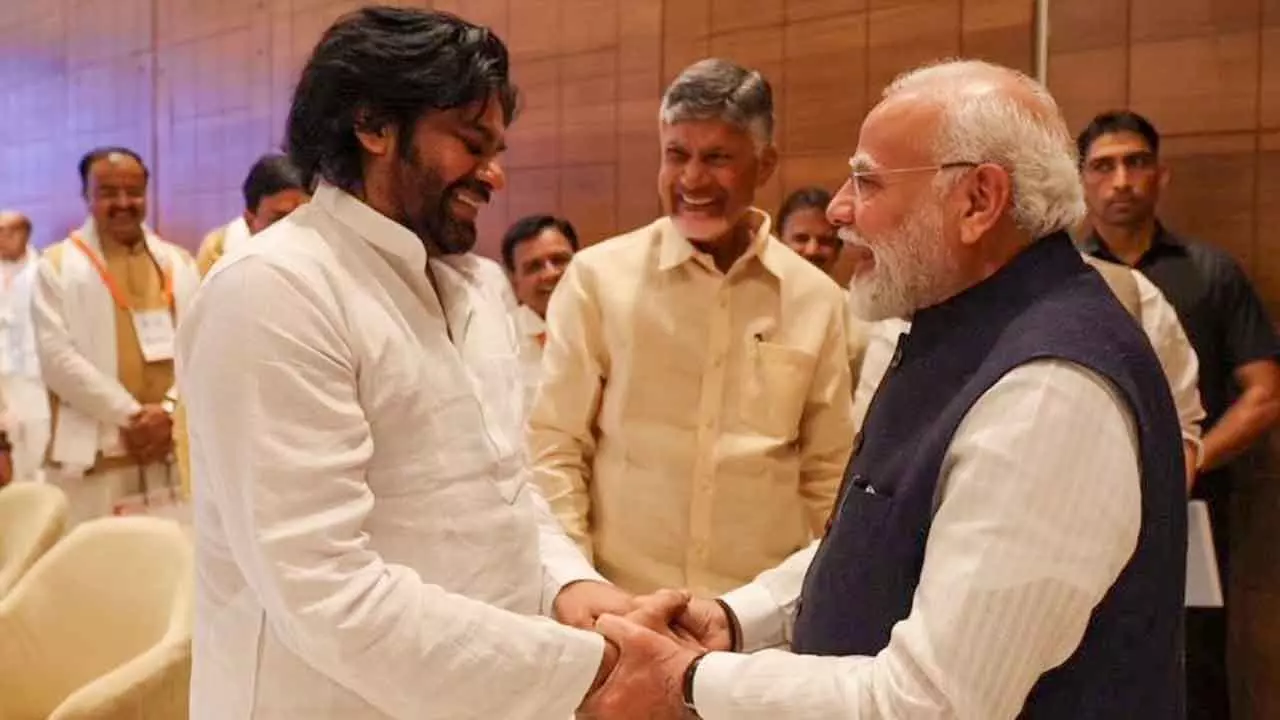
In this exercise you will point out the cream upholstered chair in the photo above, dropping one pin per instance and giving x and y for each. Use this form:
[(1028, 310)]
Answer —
[(100, 627), (32, 518)]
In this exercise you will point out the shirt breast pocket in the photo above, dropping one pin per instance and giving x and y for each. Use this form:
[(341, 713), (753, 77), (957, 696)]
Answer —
[(776, 385)]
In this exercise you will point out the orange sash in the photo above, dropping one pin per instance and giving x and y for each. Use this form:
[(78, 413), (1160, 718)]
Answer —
[(116, 293)]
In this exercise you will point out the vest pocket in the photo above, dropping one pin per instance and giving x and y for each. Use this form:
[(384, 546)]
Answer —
[(861, 511)]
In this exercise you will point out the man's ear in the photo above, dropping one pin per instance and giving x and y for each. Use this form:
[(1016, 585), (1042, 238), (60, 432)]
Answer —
[(768, 165), (377, 138), (987, 194), (1163, 173)]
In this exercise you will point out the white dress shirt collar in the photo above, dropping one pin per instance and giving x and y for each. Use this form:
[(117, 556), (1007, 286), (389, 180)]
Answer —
[(528, 322), (234, 234), (376, 229)]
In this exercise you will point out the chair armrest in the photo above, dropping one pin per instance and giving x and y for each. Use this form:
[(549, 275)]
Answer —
[(155, 685)]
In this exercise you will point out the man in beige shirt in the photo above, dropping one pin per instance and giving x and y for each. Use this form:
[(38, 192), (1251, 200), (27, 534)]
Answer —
[(695, 412)]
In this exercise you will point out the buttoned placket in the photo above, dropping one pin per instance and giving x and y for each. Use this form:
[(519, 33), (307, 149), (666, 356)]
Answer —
[(710, 408)]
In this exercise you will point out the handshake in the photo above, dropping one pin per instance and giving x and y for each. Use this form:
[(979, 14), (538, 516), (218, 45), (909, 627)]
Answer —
[(651, 642)]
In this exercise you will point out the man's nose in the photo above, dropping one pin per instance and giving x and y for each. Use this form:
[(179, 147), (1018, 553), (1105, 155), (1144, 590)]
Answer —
[(842, 211)]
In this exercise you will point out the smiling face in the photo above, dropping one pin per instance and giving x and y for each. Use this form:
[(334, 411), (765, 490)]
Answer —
[(116, 191), (709, 174), (539, 263), (15, 231), (809, 233), (435, 179), (894, 223)]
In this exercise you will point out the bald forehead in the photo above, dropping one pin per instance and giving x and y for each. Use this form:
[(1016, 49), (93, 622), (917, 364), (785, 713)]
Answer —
[(117, 161), (902, 128), (13, 219), (962, 81)]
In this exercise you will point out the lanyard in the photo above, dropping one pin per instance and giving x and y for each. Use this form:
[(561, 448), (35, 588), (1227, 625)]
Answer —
[(118, 295)]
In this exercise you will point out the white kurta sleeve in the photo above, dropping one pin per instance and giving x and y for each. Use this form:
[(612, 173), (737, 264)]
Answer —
[(766, 607), (562, 559), (270, 386), (1039, 512), (1177, 356), (65, 371)]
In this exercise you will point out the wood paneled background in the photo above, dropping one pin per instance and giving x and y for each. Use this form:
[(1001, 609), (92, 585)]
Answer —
[(201, 87), (1207, 73)]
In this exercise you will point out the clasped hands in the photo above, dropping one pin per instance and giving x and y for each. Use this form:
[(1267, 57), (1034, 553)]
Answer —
[(650, 642), (149, 435)]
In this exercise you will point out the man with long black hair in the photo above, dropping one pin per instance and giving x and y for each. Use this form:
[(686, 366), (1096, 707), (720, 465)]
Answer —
[(367, 546)]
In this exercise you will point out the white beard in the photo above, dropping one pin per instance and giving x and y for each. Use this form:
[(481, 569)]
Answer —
[(909, 266)]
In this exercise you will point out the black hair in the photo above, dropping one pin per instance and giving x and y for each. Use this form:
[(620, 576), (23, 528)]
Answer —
[(100, 153), (1117, 121), (529, 227), (272, 173), (803, 199), (384, 67)]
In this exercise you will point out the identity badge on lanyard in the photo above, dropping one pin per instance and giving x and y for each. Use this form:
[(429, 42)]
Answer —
[(154, 328)]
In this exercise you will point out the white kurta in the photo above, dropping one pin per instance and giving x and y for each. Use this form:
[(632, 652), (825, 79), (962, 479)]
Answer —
[(27, 412), (367, 546), (531, 330), (235, 235)]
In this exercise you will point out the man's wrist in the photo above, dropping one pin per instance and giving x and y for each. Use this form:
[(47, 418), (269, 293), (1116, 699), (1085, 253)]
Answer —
[(687, 684), (735, 628)]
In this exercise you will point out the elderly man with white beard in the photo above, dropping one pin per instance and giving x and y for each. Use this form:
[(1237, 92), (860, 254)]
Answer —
[(1010, 537)]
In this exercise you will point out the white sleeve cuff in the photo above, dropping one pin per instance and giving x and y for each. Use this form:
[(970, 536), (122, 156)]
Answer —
[(761, 620), (575, 671), (713, 682), (562, 563)]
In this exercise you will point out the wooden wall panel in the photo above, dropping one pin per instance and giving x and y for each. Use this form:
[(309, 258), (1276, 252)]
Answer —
[(997, 30), (1211, 190), (1207, 83), (905, 34), (1270, 94), (1266, 270), (826, 83)]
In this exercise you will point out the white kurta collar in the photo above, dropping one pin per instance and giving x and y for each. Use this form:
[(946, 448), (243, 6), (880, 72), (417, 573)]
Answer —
[(376, 229)]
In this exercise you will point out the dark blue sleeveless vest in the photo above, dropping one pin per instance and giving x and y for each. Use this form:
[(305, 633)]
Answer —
[(1045, 304)]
